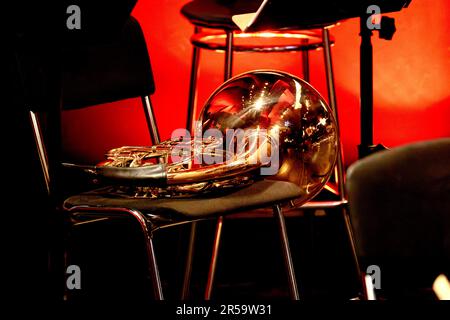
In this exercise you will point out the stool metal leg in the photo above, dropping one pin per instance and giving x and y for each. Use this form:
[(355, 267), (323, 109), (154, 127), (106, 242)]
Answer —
[(228, 67), (287, 253), (212, 268), (189, 259), (228, 71), (305, 61), (192, 102), (333, 103), (193, 84), (340, 163), (229, 56)]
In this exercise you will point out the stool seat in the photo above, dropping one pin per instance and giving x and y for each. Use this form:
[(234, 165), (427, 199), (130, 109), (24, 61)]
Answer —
[(217, 14), (259, 194)]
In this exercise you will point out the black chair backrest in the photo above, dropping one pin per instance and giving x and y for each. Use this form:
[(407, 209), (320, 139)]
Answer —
[(47, 21), (108, 71), (400, 205), (54, 73), (93, 70)]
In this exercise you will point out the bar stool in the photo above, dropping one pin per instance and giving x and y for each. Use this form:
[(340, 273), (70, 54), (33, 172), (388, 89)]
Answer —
[(214, 29)]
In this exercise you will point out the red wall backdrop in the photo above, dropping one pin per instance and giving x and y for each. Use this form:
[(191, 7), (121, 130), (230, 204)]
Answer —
[(411, 81)]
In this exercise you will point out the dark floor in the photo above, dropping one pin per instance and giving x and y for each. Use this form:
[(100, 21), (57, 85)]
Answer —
[(250, 265)]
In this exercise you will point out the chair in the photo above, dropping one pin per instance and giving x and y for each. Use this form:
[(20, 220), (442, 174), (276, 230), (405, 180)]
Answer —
[(120, 69), (399, 204), (121, 66), (214, 29)]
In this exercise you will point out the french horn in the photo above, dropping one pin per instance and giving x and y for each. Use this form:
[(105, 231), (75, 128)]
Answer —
[(258, 125)]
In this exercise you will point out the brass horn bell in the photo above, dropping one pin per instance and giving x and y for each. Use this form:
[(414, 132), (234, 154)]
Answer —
[(262, 124)]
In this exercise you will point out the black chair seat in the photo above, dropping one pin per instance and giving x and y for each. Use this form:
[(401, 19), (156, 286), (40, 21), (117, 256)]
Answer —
[(259, 194), (217, 14)]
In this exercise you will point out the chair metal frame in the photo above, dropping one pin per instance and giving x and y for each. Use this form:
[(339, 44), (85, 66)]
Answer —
[(105, 211)]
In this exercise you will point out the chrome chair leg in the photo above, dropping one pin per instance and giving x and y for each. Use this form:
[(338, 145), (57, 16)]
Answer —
[(351, 236), (154, 271), (145, 228), (151, 120), (189, 259), (39, 138), (287, 253), (153, 266), (66, 260), (352, 242), (368, 288), (212, 268)]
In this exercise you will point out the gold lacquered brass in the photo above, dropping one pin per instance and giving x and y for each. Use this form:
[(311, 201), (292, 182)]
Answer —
[(292, 124)]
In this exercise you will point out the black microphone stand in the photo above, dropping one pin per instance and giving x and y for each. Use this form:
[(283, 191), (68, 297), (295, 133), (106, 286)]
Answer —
[(386, 31)]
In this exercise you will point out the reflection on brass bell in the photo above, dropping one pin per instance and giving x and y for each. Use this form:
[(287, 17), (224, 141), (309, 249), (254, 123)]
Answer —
[(285, 129)]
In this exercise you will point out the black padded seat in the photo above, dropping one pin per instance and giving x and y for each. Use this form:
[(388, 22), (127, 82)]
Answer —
[(259, 194), (217, 14)]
